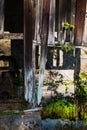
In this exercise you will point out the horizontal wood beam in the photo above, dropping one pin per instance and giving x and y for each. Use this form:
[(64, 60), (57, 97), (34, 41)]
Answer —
[(19, 36), (13, 36)]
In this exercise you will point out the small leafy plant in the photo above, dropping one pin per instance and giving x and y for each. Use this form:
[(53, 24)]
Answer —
[(67, 48), (66, 83), (68, 26)]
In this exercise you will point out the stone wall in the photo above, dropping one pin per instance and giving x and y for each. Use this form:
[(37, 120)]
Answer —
[(28, 121)]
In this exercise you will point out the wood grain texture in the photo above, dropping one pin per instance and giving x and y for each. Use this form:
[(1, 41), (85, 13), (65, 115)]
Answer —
[(28, 51), (79, 21), (44, 41)]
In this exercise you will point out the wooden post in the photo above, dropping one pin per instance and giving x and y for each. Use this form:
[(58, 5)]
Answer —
[(38, 21), (79, 21), (68, 16), (1, 18), (51, 34), (28, 49), (61, 20), (72, 21), (85, 29), (44, 41)]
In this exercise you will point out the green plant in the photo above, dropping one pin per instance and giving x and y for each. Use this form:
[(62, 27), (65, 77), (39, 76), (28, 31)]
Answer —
[(81, 87), (68, 26), (66, 89), (67, 48), (59, 109), (66, 83), (83, 75), (54, 85), (85, 52), (54, 52), (81, 95)]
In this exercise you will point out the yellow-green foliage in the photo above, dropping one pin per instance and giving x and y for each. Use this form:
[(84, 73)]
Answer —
[(68, 25), (67, 48), (59, 109)]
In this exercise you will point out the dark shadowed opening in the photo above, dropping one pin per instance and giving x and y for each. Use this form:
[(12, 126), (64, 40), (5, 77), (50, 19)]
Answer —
[(14, 16)]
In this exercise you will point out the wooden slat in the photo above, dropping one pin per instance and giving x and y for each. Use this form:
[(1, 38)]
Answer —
[(61, 18), (44, 41), (51, 34), (72, 20), (85, 29), (68, 14), (1, 18), (73, 5), (28, 49), (38, 20), (79, 21), (13, 36)]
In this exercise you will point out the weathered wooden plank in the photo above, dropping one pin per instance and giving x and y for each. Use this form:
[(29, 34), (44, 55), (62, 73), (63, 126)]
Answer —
[(44, 40), (79, 21), (8, 35), (73, 8), (51, 34), (85, 29), (1, 18), (28, 49), (68, 15), (38, 21), (72, 20), (61, 20)]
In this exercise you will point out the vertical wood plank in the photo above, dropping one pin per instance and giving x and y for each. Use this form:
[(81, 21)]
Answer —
[(51, 35), (73, 8), (44, 41), (61, 19), (1, 18), (38, 21), (85, 29), (28, 49), (68, 15), (72, 20), (79, 21)]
